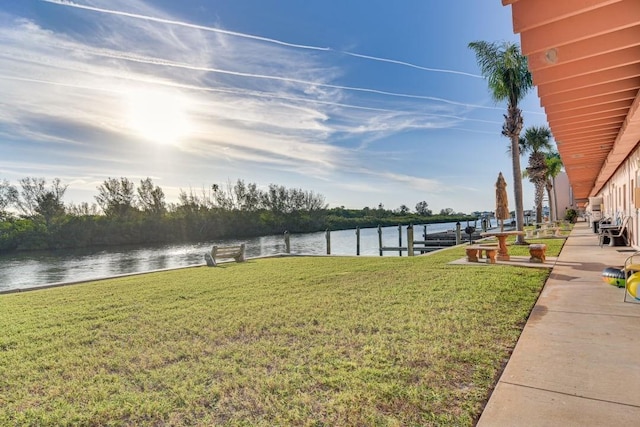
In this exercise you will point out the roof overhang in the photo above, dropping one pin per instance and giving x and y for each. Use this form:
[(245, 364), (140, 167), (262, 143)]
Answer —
[(584, 56)]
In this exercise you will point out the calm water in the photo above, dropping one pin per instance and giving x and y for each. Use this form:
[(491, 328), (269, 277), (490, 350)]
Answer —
[(25, 270)]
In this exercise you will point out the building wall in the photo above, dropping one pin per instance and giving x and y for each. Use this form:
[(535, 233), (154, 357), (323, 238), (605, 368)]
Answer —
[(563, 195), (619, 198)]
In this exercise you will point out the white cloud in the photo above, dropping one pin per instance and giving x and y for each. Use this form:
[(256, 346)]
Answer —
[(249, 100)]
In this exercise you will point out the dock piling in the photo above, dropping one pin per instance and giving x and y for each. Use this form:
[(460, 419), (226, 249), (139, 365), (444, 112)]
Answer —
[(328, 237), (287, 242)]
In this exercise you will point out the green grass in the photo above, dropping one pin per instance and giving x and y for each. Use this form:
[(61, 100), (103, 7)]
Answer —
[(554, 245), (292, 341), (564, 229)]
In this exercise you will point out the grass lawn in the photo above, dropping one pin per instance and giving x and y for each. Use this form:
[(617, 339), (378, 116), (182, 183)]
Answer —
[(293, 341)]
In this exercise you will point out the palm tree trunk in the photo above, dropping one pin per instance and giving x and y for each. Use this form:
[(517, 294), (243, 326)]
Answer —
[(539, 184), (552, 208), (513, 125), (517, 188), (538, 214), (555, 198)]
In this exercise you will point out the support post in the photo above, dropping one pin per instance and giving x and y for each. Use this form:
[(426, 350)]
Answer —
[(380, 239), (287, 242), (357, 240), (400, 239), (410, 240), (458, 234), (424, 234), (328, 236)]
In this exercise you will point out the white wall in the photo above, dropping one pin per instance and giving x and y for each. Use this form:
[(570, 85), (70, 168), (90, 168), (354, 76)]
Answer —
[(619, 194), (563, 195)]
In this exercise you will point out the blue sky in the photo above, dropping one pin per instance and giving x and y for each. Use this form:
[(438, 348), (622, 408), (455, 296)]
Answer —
[(364, 102)]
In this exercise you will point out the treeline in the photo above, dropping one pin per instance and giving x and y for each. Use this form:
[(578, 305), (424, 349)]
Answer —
[(341, 219), (33, 215)]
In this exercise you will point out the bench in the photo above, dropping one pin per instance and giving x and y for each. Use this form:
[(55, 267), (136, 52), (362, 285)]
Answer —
[(544, 232), (537, 252), (610, 232), (475, 252), (220, 252)]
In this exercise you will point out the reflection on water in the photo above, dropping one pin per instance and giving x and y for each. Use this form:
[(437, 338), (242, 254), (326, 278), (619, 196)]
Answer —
[(24, 270)]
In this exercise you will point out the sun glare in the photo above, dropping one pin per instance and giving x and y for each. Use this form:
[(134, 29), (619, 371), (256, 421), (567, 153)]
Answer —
[(158, 116)]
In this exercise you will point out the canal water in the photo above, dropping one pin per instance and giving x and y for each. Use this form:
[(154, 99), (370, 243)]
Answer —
[(31, 269)]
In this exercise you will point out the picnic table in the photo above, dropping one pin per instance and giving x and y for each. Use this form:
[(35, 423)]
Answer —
[(503, 252)]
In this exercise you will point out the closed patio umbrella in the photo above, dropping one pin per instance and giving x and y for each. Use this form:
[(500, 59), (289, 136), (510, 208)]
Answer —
[(502, 206)]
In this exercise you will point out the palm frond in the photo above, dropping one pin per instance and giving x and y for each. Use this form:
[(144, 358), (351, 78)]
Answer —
[(554, 164), (505, 68)]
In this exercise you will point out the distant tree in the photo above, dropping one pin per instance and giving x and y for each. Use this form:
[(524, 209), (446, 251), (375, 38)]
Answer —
[(83, 209), (275, 198), (151, 198), (35, 199), (554, 167), (422, 208), (252, 198), (30, 189), (240, 196), (187, 202), (280, 199), (403, 210), (8, 197), (295, 199), (536, 141), (447, 211), (509, 79), (380, 211), (312, 201), (191, 202), (49, 204), (116, 197), (224, 199)]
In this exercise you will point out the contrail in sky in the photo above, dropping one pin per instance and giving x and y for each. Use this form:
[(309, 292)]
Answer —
[(166, 63), (253, 37), (239, 92), (63, 84), (408, 64), (209, 89), (181, 24)]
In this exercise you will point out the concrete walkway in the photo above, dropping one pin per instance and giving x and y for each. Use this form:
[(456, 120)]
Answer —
[(577, 362)]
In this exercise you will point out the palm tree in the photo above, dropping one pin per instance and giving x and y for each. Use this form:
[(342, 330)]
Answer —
[(508, 77), (554, 166), (535, 141)]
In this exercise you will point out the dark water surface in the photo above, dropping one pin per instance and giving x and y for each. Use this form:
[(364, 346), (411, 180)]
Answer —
[(30, 269)]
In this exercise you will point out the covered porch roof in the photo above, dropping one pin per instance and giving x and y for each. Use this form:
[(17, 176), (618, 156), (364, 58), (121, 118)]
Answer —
[(584, 56)]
